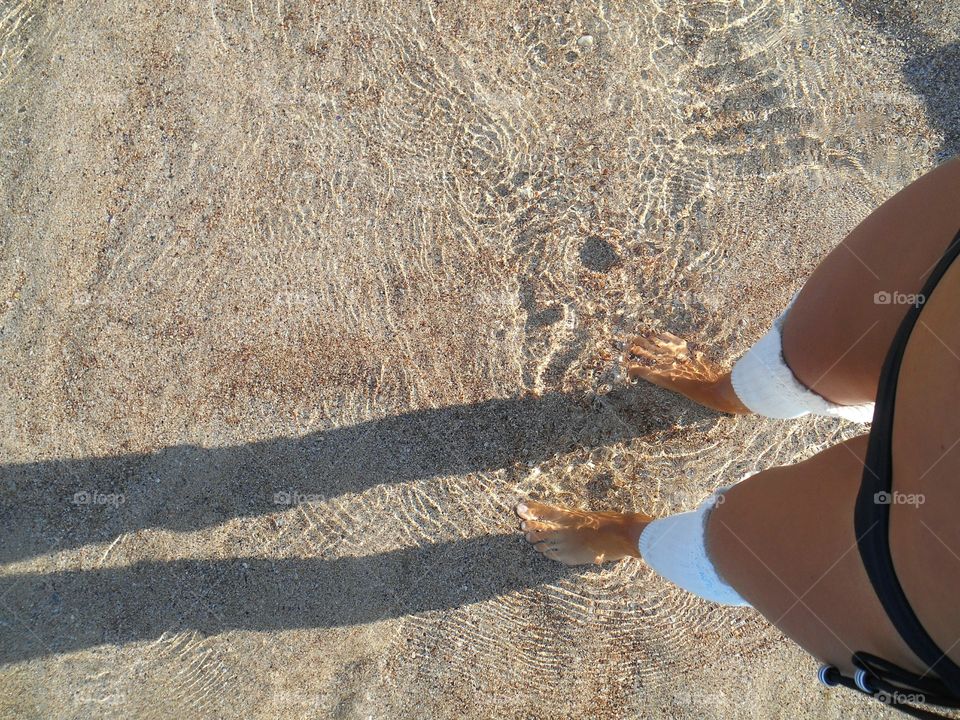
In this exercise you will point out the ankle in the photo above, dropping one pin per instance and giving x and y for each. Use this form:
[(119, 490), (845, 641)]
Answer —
[(724, 397), (633, 525)]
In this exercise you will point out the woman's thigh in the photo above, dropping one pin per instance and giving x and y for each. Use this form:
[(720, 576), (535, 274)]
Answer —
[(785, 540), (837, 334)]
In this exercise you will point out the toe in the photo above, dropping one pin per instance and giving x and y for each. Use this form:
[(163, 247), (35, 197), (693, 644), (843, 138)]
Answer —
[(524, 511), (538, 537), (531, 510), (546, 548), (642, 347), (637, 371), (530, 525), (659, 347), (671, 340), (547, 513)]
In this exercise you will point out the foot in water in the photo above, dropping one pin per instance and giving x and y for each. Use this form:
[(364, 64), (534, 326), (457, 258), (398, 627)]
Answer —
[(665, 360), (576, 537)]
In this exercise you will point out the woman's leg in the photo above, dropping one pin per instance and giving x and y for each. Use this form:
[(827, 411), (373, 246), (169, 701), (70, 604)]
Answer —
[(838, 331), (783, 539)]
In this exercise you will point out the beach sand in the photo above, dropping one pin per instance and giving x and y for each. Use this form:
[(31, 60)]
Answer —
[(299, 299)]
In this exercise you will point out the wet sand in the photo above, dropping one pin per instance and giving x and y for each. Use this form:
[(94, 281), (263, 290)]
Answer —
[(299, 299)]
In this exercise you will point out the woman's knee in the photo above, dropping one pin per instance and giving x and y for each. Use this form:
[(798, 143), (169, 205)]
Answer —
[(767, 384), (836, 336), (784, 539), (838, 332)]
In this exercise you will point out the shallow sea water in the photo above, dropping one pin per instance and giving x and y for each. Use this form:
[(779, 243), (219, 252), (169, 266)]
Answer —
[(300, 299)]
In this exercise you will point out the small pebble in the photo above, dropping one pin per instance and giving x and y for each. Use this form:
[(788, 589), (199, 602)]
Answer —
[(585, 41)]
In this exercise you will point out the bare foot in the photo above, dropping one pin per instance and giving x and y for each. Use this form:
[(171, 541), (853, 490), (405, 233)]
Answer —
[(575, 537), (665, 360)]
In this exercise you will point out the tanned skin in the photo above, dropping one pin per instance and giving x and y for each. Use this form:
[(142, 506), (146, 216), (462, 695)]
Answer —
[(784, 538)]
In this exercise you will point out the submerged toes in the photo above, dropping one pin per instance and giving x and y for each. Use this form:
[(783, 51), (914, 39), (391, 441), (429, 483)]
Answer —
[(535, 525), (524, 511), (531, 510), (539, 536)]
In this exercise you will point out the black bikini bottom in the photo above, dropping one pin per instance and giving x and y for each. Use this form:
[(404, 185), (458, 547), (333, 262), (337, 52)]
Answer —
[(876, 676)]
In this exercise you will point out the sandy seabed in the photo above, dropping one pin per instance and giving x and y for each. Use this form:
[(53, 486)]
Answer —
[(298, 299)]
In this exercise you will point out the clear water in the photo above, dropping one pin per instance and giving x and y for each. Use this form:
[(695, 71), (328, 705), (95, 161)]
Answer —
[(323, 290)]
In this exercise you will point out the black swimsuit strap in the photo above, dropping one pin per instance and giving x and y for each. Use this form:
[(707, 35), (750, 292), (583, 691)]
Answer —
[(872, 517)]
